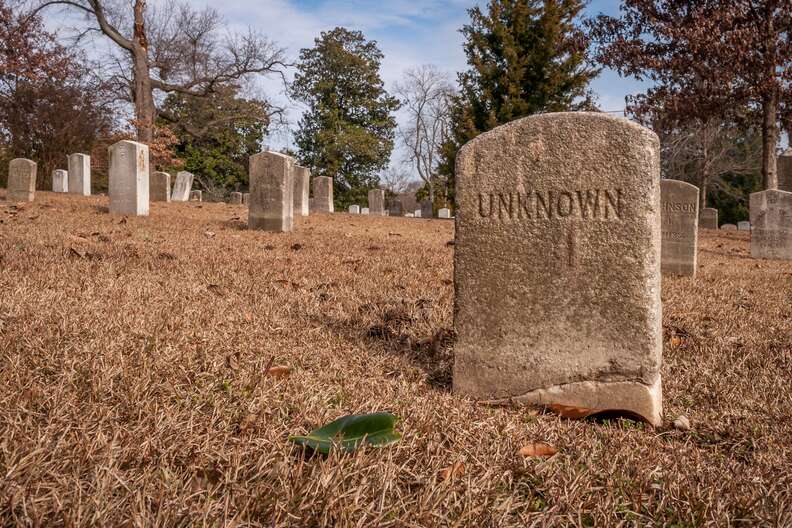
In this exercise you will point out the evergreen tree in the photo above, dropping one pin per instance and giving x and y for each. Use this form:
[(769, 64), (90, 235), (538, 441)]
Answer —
[(348, 130), (216, 135), (525, 57)]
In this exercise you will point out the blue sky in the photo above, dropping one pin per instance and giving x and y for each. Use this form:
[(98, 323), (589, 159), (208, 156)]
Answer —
[(409, 33)]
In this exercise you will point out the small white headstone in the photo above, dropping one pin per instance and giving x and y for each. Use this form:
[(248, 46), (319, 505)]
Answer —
[(129, 178), (729, 227), (744, 226), (364, 211), (417, 213), (354, 209), (80, 174), (60, 181), (182, 187), (444, 213)]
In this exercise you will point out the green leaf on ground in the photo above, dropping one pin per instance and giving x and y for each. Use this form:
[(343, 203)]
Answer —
[(350, 432)]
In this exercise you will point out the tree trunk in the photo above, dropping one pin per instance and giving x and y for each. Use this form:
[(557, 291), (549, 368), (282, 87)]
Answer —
[(145, 111), (705, 170), (769, 140)]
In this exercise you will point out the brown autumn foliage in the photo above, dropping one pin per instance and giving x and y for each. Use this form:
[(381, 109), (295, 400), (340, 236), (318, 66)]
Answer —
[(705, 58), (50, 104), (132, 355)]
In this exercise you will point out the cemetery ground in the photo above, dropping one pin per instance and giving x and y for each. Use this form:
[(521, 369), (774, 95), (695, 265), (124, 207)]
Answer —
[(136, 382)]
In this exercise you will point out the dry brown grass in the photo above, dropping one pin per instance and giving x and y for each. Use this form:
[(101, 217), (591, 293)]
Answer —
[(131, 387)]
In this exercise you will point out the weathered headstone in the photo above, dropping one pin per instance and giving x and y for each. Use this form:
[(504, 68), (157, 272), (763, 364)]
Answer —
[(557, 264), (60, 181), (771, 225), (364, 211), (160, 190), (354, 209), (708, 218), (729, 227), (444, 213), (271, 192), (426, 209), (236, 198), (129, 178), (323, 194), (409, 215), (80, 174), (744, 226), (679, 222), (21, 180), (376, 202), (417, 213), (182, 187), (196, 196), (395, 207), (246, 199), (784, 168), (302, 189)]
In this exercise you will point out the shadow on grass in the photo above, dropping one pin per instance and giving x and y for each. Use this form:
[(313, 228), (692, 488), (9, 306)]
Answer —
[(400, 328)]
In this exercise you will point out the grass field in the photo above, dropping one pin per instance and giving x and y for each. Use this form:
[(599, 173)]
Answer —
[(133, 392)]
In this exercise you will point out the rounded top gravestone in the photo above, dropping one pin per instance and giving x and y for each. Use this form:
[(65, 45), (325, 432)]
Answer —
[(557, 264)]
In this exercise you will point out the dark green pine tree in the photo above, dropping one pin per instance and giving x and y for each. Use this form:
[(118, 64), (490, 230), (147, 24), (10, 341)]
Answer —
[(525, 57), (348, 130)]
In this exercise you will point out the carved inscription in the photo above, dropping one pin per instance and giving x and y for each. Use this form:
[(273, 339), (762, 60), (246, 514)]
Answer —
[(679, 207), (548, 205)]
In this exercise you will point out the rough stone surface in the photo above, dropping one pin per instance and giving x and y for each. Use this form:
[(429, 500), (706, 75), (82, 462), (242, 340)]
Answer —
[(182, 187), (322, 194), (246, 199), (354, 209), (129, 178), (302, 189), (679, 221), (160, 190), (80, 174), (708, 219), (771, 221), (785, 171), (60, 181), (395, 207), (376, 202), (557, 264), (271, 192), (729, 227), (21, 180), (236, 198), (744, 226), (444, 213), (196, 196), (426, 209)]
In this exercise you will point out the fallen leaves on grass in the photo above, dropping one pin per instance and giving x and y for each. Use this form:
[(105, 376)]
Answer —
[(455, 470), (538, 450), (350, 432), (569, 411), (278, 372)]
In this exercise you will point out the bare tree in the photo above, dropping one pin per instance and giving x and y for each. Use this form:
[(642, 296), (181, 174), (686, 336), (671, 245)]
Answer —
[(426, 98), (172, 48), (704, 151), (395, 179)]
